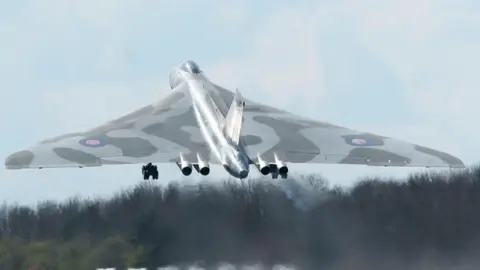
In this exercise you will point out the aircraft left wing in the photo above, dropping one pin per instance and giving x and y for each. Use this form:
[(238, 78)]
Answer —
[(155, 133), (268, 131)]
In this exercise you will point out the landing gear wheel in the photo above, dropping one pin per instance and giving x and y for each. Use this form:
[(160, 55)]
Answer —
[(145, 173), (154, 173), (149, 170)]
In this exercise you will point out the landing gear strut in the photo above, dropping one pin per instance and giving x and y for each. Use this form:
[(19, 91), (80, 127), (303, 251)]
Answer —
[(275, 173), (149, 170)]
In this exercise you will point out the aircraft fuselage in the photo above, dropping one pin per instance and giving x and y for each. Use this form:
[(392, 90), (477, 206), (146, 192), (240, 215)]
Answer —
[(210, 121)]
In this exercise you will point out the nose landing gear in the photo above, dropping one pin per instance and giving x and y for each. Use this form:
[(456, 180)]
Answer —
[(149, 170)]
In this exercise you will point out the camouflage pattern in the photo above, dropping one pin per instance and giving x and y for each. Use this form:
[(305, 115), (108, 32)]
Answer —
[(159, 132)]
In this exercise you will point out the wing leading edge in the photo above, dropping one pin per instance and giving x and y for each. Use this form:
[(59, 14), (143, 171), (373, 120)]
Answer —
[(160, 132), (268, 131), (155, 133)]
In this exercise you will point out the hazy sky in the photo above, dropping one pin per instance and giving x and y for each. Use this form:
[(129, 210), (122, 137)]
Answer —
[(406, 69)]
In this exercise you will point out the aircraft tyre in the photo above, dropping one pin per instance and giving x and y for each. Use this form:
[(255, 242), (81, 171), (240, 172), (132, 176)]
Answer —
[(274, 173), (149, 170), (145, 172), (154, 172)]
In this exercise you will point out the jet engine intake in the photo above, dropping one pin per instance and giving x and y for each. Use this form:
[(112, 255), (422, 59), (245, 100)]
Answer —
[(202, 166), (185, 166), (262, 166)]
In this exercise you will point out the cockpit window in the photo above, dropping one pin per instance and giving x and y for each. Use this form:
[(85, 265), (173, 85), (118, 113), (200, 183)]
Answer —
[(191, 67)]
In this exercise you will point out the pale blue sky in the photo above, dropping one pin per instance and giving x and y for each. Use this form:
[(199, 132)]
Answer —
[(406, 69)]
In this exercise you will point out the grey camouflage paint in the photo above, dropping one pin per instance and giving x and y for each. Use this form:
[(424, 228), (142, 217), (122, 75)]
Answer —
[(159, 132)]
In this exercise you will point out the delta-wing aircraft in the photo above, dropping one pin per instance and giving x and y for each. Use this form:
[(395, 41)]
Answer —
[(198, 123)]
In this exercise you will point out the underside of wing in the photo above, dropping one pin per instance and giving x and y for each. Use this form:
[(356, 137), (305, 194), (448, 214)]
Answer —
[(268, 131), (155, 133)]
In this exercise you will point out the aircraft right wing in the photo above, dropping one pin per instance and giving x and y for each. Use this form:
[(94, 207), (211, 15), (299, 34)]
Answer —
[(269, 131)]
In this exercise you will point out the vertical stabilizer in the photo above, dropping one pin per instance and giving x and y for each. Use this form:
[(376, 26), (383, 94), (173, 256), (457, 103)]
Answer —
[(234, 119)]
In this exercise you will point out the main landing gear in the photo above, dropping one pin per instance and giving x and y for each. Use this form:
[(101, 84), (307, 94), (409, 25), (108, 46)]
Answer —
[(276, 174), (149, 170)]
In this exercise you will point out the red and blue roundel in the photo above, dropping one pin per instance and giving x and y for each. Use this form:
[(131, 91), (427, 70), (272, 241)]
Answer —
[(92, 142), (362, 140), (358, 141)]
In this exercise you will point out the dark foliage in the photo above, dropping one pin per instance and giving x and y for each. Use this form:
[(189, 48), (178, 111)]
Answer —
[(425, 222)]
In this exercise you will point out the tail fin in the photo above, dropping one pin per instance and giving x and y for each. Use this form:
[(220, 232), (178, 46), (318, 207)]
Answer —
[(234, 119)]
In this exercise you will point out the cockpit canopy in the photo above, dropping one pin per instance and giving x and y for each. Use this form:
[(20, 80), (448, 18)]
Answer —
[(190, 67), (176, 77)]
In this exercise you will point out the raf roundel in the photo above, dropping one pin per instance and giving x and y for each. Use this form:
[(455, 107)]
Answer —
[(363, 140), (92, 142), (357, 141)]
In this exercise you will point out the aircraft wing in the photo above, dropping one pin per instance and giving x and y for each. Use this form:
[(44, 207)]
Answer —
[(155, 133), (267, 130)]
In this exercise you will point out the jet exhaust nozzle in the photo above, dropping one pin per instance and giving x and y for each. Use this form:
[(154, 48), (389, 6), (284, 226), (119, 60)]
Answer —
[(281, 166), (204, 171), (202, 166), (187, 171), (283, 169), (185, 166), (262, 166)]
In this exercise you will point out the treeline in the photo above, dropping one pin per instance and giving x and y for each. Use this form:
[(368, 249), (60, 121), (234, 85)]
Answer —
[(428, 221)]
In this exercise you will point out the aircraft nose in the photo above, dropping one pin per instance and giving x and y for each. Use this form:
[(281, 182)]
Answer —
[(18, 160)]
